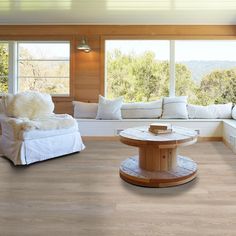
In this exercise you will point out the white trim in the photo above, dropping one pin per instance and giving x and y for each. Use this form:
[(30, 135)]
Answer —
[(12, 74), (172, 69), (105, 69), (47, 60), (48, 77), (93, 127), (44, 41)]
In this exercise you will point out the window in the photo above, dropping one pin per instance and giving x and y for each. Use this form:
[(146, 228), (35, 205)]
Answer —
[(44, 67), (3, 67), (138, 70), (40, 66), (145, 70), (206, 70)]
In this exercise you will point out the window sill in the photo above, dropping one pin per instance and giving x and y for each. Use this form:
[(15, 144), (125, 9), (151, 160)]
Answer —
[(62, 98)]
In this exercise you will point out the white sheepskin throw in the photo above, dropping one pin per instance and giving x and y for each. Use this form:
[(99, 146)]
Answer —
[(60, 121), (29, 105)]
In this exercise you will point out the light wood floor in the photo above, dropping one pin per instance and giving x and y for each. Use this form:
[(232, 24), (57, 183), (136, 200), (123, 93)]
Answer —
[(82, 194)]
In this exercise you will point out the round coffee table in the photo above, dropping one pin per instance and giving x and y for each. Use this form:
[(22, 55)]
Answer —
[(158, 164)]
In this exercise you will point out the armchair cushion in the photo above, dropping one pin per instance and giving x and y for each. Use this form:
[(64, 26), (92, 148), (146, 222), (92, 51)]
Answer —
[(17, 127), (27, 105)]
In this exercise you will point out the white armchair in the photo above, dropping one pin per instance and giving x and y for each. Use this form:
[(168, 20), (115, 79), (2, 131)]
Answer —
[(39, 135)]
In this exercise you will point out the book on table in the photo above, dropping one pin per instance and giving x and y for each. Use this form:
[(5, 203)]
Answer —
[(160, 126), (156, 131)]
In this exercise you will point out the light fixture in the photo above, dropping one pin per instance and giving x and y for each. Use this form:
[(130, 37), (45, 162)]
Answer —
[(84, 45)]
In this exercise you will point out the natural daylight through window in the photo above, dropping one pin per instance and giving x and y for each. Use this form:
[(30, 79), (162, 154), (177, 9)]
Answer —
[(140, 70), (40, 66)]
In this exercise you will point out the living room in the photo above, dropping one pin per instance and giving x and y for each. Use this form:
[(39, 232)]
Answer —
[(112, 174)]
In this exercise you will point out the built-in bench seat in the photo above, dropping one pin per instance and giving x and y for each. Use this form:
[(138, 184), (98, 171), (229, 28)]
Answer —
[(229, 133), (208, 129)]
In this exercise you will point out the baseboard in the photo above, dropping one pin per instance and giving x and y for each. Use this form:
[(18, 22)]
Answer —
[(100, 138), (227, 144), (115, 138), (206, 139)]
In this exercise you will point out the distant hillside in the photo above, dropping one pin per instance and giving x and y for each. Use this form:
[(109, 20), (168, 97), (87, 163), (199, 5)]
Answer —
[(201, 68)]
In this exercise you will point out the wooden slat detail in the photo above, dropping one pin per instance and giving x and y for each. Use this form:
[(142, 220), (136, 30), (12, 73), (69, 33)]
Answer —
[(141, 136), (93, 31), (164, 157), (131, 172), (63, 107)]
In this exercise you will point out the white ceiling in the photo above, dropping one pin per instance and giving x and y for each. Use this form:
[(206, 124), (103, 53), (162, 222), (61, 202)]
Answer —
[(221, 12)]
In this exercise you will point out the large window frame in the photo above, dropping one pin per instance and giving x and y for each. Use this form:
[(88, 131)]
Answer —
[(13, 63), (172, 59), (172, 69)]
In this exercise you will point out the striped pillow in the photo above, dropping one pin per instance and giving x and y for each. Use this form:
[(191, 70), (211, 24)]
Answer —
[(142, 110)]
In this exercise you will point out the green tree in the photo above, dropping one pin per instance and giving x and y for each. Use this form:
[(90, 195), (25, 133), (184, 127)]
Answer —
[(150, 77), (3, 68), (185, 85), (143, 78), (119, 82), (218, 87), (136, 77)]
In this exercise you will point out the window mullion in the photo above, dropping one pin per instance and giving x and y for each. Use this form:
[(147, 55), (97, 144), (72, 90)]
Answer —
[(10, 66), (12, 76), (172, 68)]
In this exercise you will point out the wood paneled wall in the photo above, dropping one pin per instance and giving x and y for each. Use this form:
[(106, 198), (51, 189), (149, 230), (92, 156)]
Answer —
[(87, 74)]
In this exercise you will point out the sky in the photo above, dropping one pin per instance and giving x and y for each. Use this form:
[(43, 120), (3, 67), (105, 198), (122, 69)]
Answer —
[(47, 50), (200, 50), (203, 50)]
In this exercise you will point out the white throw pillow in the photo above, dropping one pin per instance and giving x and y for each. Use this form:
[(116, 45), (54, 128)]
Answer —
[(109, 109), (223, 111), (142, 110), (234, 112), (200, 112), (214, 111), (85, 110), (175, 108)]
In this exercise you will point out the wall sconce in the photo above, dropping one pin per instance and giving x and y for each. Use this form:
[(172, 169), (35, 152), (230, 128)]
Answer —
[(84, 45)]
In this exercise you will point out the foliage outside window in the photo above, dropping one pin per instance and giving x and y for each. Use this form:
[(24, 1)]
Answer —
[(205, 71), (211, 66), (40, 66), (44, 67), (3, 67), (137, 74)]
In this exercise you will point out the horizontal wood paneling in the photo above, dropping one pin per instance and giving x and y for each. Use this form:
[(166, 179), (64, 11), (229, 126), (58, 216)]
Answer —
[(96, 30), (63, 107), (87, 68)]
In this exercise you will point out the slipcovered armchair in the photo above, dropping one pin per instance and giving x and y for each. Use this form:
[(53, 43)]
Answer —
[(31, 132)]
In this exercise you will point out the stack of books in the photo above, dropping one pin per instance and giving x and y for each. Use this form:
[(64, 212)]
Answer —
[(158, 128)]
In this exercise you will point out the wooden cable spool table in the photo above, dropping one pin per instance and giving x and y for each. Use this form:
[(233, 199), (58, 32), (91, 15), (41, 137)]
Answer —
[(158, 164)]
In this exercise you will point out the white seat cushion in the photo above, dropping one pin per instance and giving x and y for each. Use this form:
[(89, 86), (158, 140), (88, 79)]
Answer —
[(214, 111), (37, 134)]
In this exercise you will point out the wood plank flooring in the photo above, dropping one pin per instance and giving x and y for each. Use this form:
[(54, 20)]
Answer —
[(82, 194)]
